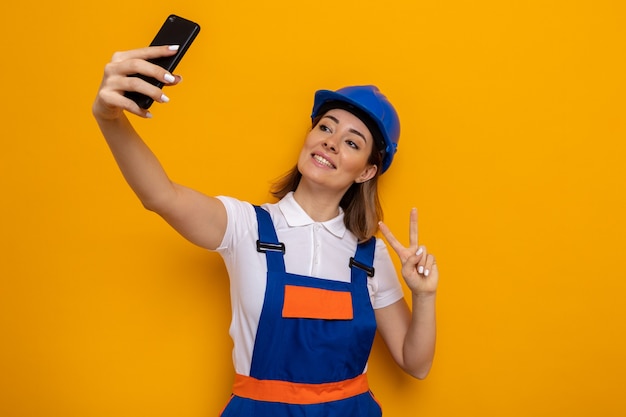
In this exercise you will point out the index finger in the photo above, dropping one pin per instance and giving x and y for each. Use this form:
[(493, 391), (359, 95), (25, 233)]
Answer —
[(413, 235), (148, 52), (391, 239)]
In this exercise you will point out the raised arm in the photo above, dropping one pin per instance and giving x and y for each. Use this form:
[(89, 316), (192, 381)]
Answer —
[(410, 334), (199, 218)]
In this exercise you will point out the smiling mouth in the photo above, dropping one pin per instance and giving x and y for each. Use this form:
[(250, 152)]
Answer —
[(323, 161)]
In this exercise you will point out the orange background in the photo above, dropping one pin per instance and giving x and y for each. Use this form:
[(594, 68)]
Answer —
[(512, 149)]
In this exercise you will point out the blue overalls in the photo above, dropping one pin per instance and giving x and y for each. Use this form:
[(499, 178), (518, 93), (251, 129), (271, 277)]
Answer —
[(313, 341)]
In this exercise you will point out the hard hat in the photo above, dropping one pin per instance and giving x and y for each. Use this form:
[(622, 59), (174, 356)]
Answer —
[(371, 103)]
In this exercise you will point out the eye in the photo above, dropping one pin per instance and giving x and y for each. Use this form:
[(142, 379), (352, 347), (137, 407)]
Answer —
[(352, 144), (324, 128)]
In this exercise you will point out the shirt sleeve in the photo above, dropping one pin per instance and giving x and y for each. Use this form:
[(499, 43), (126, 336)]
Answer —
[(241, 220), (385, 286)]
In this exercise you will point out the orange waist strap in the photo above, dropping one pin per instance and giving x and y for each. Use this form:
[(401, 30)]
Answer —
[(298, 393)]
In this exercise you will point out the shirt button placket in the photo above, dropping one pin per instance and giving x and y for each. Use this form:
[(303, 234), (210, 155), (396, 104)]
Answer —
[(316, 246)]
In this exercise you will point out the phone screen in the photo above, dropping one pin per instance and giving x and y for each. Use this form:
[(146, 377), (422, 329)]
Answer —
[(175, 31)]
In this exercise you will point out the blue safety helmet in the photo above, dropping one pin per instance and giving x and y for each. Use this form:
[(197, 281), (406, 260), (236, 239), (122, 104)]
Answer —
[(372, 107)]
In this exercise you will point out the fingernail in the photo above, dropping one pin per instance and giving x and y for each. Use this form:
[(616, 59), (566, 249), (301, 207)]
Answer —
[(148, 115), (173, 47), (169, 78), (426, 273), (164, 98), (419, 251), (420, 269)]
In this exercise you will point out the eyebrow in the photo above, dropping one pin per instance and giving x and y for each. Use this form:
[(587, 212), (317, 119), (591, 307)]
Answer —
[(356, 132)]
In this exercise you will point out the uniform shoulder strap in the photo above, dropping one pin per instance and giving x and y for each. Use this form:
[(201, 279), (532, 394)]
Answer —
[(364, 257), (268, 241)]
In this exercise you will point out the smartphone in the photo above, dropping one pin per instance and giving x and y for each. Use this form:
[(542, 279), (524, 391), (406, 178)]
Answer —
[(175, 31)]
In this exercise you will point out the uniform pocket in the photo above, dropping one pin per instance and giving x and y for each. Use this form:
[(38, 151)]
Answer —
[(317, 303)]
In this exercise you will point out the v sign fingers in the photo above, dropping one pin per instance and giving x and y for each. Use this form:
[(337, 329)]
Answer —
[(418, 266), (403, 252)]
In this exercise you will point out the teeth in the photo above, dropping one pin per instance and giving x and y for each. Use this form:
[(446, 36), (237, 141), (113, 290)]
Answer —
[(323, 161)]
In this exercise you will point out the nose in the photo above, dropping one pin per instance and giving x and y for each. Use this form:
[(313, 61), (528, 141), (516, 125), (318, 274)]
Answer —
[(330, 143)]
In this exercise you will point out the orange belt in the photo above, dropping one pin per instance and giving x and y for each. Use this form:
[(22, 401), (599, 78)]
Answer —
[(298, 393)]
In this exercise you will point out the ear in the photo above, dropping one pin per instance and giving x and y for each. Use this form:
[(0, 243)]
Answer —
[(368, 173)]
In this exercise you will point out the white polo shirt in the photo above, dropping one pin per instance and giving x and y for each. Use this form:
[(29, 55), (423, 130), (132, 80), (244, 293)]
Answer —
[(317, 249)]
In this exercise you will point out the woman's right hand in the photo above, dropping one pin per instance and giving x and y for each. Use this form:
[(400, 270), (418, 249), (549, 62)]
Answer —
[(110, 101)]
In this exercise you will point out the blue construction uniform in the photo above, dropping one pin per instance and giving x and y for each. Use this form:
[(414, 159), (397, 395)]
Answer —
[(309, 357)]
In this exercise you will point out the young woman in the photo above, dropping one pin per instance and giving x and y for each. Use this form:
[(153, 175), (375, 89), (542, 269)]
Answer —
[(310, 284)]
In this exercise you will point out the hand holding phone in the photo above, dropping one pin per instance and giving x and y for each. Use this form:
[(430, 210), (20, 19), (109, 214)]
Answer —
[(175, 31)]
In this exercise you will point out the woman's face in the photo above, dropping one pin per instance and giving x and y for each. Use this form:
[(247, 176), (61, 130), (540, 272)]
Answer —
[(336, 152)]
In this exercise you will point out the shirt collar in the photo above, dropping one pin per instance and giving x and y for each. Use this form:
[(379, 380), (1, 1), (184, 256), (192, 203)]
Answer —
[(296, 216)]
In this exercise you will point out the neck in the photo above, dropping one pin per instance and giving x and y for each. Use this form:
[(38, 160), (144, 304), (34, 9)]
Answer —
[(320, 205)]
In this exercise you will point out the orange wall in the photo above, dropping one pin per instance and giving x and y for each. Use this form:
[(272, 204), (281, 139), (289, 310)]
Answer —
[(513, 148)]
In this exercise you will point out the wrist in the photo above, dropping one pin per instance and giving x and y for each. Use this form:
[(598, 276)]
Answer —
[(424, 296)]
